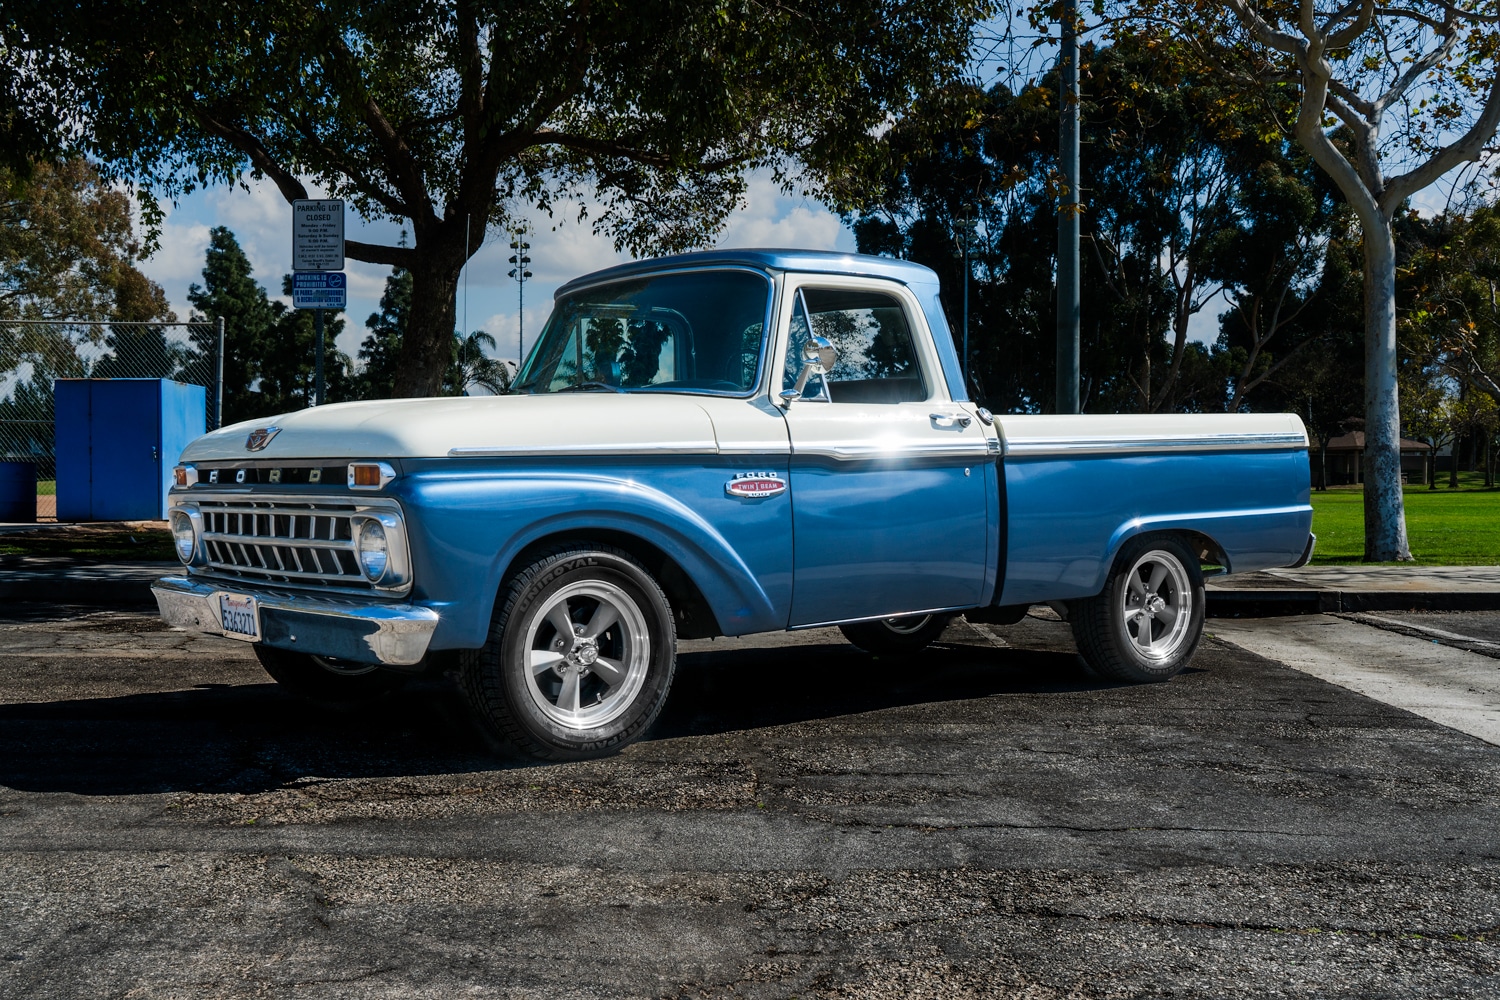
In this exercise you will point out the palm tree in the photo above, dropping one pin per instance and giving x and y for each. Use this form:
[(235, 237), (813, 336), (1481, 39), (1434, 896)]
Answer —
[(472, 368)]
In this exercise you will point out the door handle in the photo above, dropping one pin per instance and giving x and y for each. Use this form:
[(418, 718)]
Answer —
[(951, 419)]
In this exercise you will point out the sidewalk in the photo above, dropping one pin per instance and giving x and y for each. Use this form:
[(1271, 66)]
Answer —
[(1358, 588)]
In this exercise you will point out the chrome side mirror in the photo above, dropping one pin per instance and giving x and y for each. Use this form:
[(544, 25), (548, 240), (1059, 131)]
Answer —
[(818, 358)]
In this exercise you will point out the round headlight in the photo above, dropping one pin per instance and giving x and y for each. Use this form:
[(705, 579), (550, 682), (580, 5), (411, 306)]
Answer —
[(184, 538), (374, 550)]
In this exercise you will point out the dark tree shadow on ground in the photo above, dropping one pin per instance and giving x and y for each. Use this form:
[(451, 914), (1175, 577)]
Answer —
[(253, 737)]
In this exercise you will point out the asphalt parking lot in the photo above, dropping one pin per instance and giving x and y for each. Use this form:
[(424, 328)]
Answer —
[(986, 819)]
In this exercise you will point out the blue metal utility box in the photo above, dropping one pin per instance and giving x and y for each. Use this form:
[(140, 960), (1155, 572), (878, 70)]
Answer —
[(117, 441)]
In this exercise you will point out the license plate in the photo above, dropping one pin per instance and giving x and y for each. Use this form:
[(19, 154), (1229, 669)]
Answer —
[(239, 616)]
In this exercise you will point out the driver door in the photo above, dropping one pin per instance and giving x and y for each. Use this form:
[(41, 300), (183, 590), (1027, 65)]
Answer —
[(890, 509)]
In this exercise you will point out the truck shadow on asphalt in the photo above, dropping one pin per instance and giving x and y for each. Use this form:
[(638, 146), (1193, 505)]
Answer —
[(246, 738)]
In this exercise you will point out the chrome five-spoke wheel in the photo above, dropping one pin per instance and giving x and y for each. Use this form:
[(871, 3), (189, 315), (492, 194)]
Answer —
[(580, 657), (1156, 604), (1146, 623), (588, 652)]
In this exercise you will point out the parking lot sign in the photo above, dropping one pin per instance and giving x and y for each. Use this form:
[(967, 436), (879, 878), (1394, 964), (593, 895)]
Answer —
[(318, 235), (320, 290)]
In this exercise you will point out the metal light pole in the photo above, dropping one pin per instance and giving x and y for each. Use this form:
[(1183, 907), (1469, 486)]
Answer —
[(518, 257), (1067, 217), (219, 376)]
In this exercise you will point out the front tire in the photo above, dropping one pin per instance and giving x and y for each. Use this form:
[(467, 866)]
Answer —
[(580, 657), (906, 634), (1146, 624), (324, 680)]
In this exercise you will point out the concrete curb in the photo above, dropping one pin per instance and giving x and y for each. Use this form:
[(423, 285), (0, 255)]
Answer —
[(1250, 602)]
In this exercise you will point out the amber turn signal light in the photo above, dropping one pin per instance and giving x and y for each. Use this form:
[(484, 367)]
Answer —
[(370, 475)]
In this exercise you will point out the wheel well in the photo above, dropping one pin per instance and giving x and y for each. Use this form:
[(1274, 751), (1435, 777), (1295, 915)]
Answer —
[(1211, 555), (695, 618)]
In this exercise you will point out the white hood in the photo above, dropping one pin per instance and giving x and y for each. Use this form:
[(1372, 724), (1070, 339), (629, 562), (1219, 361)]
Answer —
[(576, 423)]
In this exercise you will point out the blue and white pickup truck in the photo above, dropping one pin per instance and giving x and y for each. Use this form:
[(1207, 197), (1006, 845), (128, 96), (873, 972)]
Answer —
[(711, 444)]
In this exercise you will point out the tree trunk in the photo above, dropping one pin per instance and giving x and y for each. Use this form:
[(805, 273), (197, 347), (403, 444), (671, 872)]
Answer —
[(427, 343), (1385, 513)]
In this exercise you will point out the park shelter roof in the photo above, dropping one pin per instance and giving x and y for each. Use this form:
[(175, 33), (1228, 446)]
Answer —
[(1355, 441)]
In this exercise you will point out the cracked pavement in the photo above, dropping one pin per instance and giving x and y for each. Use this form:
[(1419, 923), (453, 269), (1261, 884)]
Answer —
[(987, 819)]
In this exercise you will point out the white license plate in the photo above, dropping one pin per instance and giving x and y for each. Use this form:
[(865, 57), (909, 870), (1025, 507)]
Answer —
[(239, 616)]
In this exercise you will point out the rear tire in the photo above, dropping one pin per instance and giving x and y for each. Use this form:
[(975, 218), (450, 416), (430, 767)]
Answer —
[(1145, 625), (905, 634), (580, 656), (325, 680)]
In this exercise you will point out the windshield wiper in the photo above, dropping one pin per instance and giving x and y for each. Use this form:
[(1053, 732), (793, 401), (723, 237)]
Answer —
[(590, 386)]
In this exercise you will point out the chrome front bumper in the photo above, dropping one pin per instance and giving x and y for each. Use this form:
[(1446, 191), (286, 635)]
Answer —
[(389, 634)]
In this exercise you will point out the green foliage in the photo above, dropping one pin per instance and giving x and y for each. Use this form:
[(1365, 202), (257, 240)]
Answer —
[(67, 249), (449, 114), (268, 352), (380, 352), (473, 369), (229, 290)]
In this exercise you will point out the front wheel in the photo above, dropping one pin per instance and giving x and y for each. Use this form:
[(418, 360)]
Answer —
[(580, 656), (906, 634), (1146, 624)]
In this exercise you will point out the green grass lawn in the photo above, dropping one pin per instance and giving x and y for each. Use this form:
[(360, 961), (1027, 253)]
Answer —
[(1446, 527), (46, 487)]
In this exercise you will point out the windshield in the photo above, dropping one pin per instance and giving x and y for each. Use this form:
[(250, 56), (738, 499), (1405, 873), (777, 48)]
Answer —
[(698, 331)]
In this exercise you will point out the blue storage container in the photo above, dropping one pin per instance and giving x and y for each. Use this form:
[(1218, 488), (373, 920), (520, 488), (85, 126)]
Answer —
[(117, 441), (17, 492)]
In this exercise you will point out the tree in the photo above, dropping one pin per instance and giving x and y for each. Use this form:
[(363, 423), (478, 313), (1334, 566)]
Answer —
[(285, 368), (447, 114), (473, 369), (1409, 88), (230, 290), (67, 246), (380, 352)]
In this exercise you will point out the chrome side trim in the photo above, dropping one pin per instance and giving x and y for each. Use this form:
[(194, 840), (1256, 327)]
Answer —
[(1307, 553), (866, 451), (1021, 446), (707, 447), (400, 637), (881, 618)]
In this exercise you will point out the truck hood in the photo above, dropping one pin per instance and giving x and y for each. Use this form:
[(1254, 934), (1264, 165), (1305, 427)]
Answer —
[(574, 423)]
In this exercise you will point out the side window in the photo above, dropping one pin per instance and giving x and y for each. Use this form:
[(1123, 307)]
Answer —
[(877, 359)]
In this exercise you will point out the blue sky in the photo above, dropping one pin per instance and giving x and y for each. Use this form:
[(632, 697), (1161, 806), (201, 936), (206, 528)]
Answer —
[(561, 249)]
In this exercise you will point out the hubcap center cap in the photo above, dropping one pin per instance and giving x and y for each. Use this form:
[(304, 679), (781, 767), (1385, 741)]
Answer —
[(1154, 603), (586, 653)]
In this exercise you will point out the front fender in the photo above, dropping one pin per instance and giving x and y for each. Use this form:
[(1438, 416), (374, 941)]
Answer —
[(467, 529)]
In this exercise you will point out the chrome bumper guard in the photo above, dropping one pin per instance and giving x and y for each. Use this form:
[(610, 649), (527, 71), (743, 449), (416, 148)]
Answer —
[(388, 634)]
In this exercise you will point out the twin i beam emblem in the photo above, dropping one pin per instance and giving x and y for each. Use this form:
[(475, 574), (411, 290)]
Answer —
[(755, 484)]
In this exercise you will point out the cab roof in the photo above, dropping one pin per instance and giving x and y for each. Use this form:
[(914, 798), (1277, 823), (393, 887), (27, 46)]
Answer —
[(807, 261)]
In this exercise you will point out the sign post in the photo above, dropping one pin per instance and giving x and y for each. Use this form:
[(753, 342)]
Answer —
[(318, 246)]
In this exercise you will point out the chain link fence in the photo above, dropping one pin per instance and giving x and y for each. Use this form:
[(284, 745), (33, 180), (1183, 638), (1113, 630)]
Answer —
[(33, 353)]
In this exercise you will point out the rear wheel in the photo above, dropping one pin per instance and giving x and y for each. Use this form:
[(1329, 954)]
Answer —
[(904, 634), (326, 680), (580, 657), (1146, 624)]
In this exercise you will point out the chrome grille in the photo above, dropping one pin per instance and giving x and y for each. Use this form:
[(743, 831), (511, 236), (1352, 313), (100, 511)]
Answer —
[(281, 541)]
